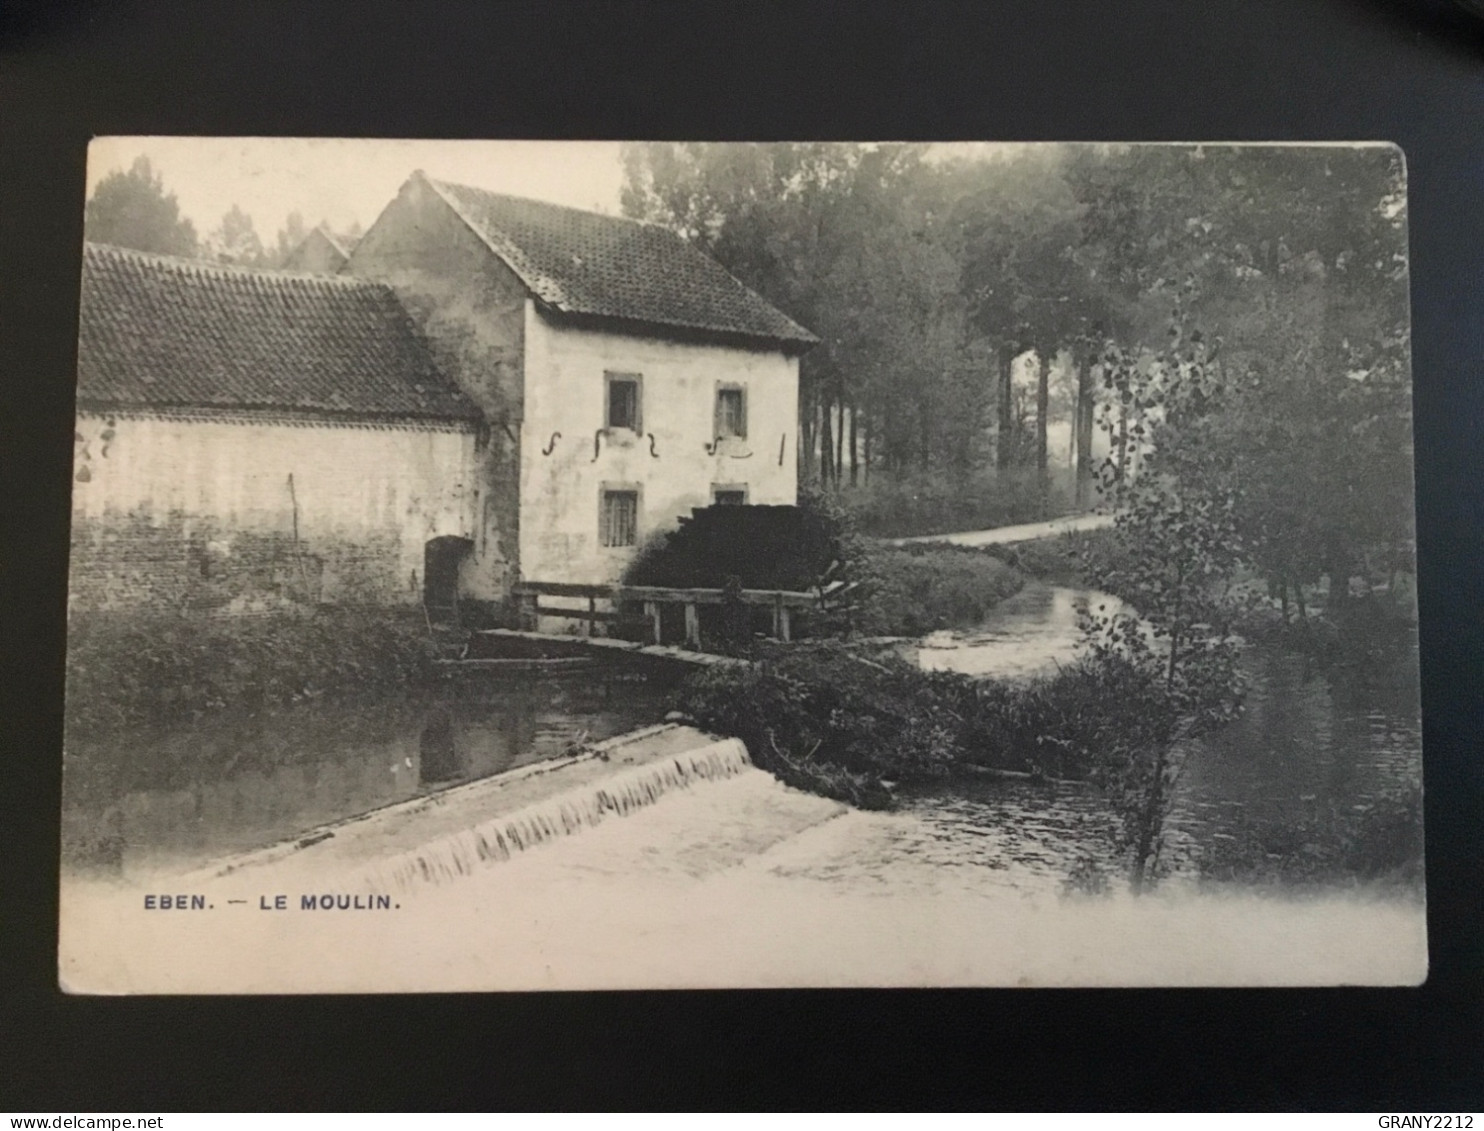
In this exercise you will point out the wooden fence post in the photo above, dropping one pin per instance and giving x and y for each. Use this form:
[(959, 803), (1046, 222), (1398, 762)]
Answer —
[(692, 626), (592, 620), (652, 611)]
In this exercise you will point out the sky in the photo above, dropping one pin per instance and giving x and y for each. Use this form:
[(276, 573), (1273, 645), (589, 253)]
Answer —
[(346, 181), (341, 181)]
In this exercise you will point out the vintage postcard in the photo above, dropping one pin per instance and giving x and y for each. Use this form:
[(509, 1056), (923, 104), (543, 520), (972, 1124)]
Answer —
[(555, 565)]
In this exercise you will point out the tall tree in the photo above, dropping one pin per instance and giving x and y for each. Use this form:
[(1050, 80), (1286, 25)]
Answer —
[(847, 239), (1298, 256), (288, 239), (1017, 223), (236, 240), (132, 209), (1177, 548)]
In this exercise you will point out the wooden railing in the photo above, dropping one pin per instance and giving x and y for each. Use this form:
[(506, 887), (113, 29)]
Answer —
[(782, 602)]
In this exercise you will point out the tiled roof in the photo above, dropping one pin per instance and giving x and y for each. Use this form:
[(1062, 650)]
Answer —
[(159, 332), (585, 263)]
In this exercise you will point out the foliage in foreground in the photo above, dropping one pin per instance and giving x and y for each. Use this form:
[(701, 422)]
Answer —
[(1379, 842), (813, 714), (127, 668)]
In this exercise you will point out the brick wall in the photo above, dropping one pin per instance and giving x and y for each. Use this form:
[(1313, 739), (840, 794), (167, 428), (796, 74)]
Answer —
[(200, 565)]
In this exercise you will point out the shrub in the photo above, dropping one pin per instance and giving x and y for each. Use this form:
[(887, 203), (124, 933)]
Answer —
[(911, 590), (878, 716), (830, 709), (762, 547), (1073, 558)]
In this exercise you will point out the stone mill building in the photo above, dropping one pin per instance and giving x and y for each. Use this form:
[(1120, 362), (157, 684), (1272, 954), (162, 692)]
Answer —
[(489, 389)]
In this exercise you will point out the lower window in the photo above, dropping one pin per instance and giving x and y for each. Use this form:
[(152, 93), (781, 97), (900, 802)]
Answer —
[(619, 518)]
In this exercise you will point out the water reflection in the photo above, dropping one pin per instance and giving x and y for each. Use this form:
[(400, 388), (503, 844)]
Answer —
[(1027, 635), (1310, 740), (439, 756), (166, 796)]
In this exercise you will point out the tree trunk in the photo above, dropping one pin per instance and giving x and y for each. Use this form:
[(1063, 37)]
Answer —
[(1150, 820), (806, 426), (826, 446), (1082, 418), (854, 446), (1123, 442), (1005, 409), (840, 443), (1043, 407), (866, 452)]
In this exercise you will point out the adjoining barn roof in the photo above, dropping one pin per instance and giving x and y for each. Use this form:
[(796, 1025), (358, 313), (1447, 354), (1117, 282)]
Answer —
[(161, 332), (339, 243), (587, 264), (321, 243)]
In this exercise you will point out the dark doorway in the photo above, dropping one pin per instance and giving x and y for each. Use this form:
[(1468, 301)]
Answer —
[(441, 560)]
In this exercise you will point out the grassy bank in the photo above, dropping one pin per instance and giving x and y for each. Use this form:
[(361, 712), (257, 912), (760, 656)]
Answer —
[(911, 590), (838, 721), (1375, 628), (1075, 558), (126, 668)]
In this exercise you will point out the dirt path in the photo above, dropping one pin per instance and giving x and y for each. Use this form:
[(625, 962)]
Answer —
[(1026, 532)]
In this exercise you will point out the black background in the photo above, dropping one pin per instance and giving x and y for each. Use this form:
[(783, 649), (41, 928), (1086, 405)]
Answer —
[(1408, 71)]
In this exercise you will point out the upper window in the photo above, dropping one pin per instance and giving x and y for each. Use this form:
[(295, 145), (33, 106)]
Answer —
[(731, 412), (623, 401)]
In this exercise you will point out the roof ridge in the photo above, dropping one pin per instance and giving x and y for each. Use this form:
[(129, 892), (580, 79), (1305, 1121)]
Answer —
[(186, 263), (323, 228), (438, 182), (638, 271), (502, 249)]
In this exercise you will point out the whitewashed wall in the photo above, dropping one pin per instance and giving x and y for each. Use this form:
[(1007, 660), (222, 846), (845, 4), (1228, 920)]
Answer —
[(390, 488), (565, 392)]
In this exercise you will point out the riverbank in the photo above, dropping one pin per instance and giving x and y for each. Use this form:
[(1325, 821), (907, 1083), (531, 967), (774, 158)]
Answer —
[(126, 668)]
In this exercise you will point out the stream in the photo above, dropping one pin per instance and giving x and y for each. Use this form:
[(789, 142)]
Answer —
[(1310, 741), (166, 796)]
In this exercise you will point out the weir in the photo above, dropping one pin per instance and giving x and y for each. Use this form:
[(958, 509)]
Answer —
[(449, 833), (564, 814)]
